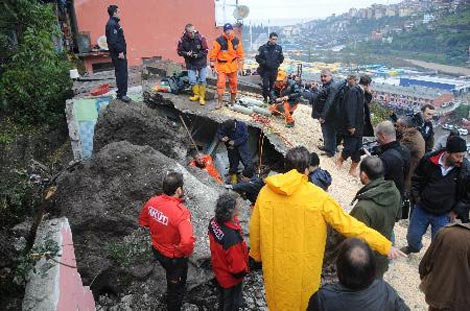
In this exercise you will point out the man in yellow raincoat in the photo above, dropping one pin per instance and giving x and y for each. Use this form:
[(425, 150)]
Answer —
[(288, 233)]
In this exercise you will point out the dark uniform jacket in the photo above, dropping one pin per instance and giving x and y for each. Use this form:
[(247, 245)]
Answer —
[(269, 57), (197, 45), (439, 194), (445, 269), (115, 37), (378, 206), (291, 90), (426, 130), (396, 160), (229, 253), (239, 135), (378, 296)]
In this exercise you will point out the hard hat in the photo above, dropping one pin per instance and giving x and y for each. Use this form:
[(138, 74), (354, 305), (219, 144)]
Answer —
[(281, 75)]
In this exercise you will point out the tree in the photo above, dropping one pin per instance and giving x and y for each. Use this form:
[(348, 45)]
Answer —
[(34, 82)]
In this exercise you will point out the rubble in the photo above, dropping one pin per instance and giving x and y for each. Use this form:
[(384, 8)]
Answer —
[(140, 125)]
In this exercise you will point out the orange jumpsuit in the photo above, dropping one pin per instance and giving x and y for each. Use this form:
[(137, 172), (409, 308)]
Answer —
[(209, 167), (227, 56)]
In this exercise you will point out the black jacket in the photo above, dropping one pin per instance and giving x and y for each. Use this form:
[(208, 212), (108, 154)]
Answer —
[(426, 130), (269, 57), (115, 37), (197, 45), (291, 90), (396, 160), (378, 296), (352, 111), (368, 128), (250, 189), (326, 102), (439, 194)]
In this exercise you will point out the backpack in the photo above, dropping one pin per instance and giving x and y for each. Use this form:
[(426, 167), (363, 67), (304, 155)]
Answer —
[(178, 82)]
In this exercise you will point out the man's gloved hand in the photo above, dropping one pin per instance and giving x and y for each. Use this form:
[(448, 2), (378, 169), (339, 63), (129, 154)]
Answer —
[(254, 265), (228, 187)]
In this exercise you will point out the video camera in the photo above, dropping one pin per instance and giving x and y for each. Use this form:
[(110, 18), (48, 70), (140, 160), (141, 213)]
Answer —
[(371, 147)]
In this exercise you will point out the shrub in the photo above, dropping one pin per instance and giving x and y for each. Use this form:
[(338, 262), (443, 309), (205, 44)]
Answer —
[(35, 80)]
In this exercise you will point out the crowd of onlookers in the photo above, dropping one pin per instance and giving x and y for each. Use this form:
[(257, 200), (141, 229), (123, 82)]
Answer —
[(402, 177)]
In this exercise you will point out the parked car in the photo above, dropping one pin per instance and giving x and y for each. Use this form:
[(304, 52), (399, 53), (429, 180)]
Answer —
[(462, 131), (447, 126)]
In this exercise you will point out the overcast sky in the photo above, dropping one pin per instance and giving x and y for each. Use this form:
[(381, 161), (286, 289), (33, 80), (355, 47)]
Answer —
[(291, 11)]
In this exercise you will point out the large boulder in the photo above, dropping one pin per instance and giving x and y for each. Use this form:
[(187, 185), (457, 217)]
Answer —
[(140, 125), (102, 199)]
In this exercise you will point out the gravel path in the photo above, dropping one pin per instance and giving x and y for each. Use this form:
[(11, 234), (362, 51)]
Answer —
[(403, 273)]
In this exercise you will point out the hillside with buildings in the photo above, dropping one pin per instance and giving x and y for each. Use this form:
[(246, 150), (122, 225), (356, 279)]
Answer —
[(429, 30)]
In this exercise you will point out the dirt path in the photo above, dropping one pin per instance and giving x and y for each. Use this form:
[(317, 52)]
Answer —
[(403, 273), (452, 70)]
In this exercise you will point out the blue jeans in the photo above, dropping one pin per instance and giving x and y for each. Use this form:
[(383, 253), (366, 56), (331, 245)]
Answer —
[(329, 136), (420, 220), (197, 79)]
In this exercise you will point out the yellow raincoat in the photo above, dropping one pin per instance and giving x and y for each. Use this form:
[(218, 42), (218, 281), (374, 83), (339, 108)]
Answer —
[(288, 235)]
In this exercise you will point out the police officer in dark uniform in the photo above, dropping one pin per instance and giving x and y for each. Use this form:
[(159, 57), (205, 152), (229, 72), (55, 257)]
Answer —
[(117, 49), (269, 58)]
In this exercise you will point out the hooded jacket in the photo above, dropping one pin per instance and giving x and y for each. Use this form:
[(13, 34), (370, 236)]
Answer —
[(378, 205), (288, 235)]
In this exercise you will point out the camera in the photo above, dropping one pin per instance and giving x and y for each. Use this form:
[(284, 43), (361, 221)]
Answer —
[(371, 147)]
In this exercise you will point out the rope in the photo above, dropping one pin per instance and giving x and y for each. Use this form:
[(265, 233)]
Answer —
[(48, 256), (189, 133)]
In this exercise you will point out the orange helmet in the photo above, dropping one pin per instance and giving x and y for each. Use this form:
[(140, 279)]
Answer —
[(281, 75)]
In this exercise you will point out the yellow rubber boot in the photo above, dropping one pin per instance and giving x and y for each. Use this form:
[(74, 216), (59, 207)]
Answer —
[(202, 94), (196, 93), (233, 179)]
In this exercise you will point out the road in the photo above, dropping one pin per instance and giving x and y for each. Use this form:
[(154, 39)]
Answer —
[(451, 70)]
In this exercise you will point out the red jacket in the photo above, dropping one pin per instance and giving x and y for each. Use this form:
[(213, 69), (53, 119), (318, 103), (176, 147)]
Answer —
[(229, 253), (170, 226)]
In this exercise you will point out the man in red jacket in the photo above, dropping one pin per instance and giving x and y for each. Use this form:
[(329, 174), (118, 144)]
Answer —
[(229, 253), (171, 230)]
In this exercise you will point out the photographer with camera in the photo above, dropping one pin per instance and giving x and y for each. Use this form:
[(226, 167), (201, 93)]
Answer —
[(395, 157)]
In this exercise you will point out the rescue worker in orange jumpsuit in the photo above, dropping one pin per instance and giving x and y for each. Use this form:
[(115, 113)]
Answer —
[(286, 95), (204, 162), (226, 59)]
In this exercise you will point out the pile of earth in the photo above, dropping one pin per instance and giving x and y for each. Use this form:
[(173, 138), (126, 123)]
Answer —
[(135, 147)]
